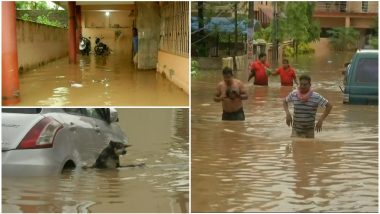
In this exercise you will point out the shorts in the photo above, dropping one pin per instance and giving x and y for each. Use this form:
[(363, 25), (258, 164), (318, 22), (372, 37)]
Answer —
[(236, 115), (305, 133)]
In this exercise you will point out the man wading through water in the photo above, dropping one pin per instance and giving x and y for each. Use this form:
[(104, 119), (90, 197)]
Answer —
[(305, 102), (231, 92)]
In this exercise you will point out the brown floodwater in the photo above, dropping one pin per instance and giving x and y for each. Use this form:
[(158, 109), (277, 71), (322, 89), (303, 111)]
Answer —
[(254, 166), (98, 81), (159, 138)]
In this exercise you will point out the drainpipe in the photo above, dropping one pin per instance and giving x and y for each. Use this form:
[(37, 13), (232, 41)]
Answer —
[(72, 34), (78, 13), (9, 65)]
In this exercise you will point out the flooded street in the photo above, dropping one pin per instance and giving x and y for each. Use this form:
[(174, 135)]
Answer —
[(159, 138), (254, 166), (98, 81)]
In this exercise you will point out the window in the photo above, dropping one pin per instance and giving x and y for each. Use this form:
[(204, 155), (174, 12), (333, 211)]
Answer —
[(22, 110), (174, 35), (367, 71), (76, 111), (95, 113), (365, 6)]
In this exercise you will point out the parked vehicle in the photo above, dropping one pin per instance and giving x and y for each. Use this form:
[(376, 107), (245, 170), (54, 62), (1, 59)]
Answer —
[(46, 141), (85, 46), (362, 78), (101, 49)]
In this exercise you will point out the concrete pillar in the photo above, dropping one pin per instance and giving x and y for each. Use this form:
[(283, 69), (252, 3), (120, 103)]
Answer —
[(148, 26), (72, 34), (347, 22), (9, 64), (78, 13)]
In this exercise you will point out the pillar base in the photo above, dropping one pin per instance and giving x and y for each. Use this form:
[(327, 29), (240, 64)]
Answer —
[(8, 101)]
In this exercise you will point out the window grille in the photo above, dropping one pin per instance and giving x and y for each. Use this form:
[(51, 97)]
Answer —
[(174, 36)]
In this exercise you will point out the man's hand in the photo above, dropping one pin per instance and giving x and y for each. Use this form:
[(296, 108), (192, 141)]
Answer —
[(252, 74), (318, 126), (289, 120)]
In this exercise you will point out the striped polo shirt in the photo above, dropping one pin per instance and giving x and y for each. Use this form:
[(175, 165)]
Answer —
[(304, 112)]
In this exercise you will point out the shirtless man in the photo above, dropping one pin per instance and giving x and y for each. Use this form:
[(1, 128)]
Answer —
[(231, 92)]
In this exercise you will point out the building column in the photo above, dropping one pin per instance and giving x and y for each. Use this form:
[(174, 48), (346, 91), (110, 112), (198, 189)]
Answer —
[(347, 22), (148, 26), (72, 33), (78, 14), (9, 65)]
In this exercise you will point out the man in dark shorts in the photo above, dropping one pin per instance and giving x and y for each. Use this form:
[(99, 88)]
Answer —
[(231, 92), (305, 102)]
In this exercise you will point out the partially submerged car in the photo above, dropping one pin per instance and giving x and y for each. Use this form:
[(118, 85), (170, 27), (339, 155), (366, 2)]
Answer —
[(362, 78), (46, 141)]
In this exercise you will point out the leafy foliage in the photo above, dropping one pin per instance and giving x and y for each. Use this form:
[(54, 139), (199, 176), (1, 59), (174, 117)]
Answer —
[(342, 38), (32, 5), (42, 19), (38, 5), (194, 67), (303, 48)]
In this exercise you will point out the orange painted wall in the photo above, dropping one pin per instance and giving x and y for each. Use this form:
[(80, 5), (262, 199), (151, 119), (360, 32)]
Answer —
[(176, 69)]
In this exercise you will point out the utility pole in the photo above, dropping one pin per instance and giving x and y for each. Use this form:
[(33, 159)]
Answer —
[(275, 35), (201, 27), (236, 37), (250, 32)]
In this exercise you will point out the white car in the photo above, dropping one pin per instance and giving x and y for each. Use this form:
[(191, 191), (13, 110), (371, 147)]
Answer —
[(46, 141)]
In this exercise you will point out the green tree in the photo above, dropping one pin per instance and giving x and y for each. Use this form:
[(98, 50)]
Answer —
[(31, 5), (373, 39), (342, 38), (299, 24), (42, 19)]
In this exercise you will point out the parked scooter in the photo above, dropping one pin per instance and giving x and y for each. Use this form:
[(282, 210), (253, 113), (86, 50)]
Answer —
[(85, 46), (101, 49)]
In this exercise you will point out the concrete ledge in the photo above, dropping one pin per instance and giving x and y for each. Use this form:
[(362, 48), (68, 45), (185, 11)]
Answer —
[(175, 68)]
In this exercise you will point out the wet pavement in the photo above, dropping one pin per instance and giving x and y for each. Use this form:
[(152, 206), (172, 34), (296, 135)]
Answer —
[(254, 166), (98, 81), (161, 186)]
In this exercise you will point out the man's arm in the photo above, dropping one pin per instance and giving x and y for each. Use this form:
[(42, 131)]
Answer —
[(318, 126), (289, 119), (295, 80), (217, 97), (252, 74), (243, 92)]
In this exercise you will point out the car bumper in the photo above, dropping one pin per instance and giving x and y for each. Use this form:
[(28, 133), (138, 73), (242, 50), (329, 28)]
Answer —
[(30, 162), (360, 99)]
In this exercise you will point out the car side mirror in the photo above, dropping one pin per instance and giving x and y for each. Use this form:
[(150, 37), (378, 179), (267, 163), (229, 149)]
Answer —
[(114, 116)]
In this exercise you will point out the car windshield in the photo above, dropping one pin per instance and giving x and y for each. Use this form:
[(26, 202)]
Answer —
[(22, 110), (367, 71)]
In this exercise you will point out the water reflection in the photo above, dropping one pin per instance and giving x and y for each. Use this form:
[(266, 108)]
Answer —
[(161, 186), (98, 80), (254, 166)]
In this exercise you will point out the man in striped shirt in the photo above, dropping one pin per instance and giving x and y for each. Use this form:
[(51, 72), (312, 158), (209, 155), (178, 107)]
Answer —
[(305, 102)]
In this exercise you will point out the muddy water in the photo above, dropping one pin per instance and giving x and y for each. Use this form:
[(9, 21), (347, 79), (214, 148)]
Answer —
[(98, 81), (254, 166), (159, 137)]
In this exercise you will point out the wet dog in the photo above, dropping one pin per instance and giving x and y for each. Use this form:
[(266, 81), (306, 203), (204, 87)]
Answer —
[(109, 157)]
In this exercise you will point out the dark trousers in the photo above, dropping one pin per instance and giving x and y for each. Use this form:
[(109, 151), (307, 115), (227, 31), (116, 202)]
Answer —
[(236, 115)]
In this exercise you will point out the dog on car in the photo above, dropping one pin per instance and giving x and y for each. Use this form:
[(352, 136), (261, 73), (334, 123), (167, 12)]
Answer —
[(109, 157)]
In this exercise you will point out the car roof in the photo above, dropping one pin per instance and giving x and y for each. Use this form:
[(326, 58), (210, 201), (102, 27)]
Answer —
[(367, 51)]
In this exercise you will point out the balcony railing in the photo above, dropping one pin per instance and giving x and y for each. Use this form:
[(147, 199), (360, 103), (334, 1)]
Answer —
[(344, 7), (329, 6)]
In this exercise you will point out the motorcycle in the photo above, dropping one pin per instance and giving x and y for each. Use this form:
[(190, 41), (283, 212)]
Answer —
[(101, 49), (85, 46)]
